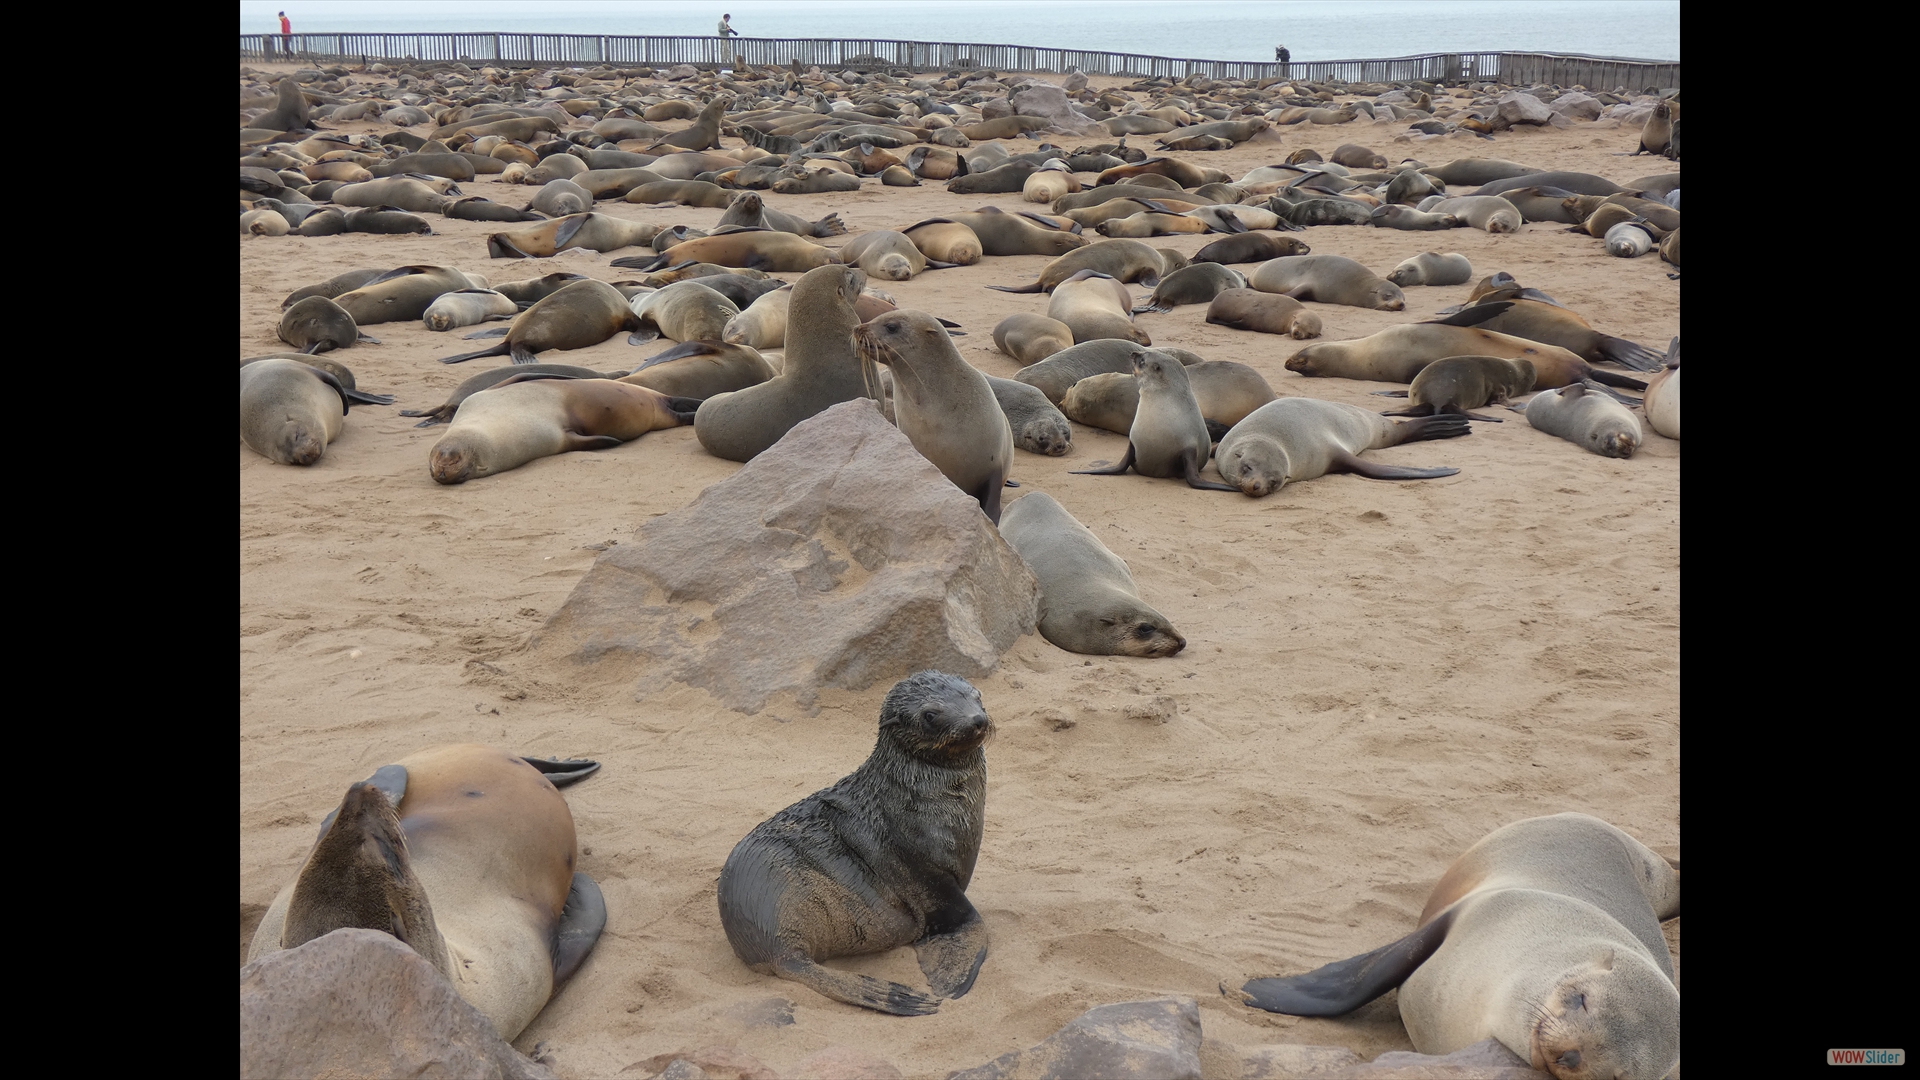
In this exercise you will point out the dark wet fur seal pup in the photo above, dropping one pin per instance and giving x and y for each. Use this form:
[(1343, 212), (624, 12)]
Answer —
[(879, 860)]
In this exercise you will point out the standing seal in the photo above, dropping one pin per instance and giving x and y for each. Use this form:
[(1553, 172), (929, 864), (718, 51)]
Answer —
[(941, 403), (1546, 936), (466, 854), (1088, 600), (820, 369), (517, 421), (1586, 418), (1301, 438), (879, 860), (1169, 436)]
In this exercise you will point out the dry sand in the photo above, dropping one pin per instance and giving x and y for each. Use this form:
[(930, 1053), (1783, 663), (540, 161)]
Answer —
[(1377, 674)]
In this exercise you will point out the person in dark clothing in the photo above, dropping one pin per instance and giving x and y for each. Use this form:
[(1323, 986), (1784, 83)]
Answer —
[(1281, 54)]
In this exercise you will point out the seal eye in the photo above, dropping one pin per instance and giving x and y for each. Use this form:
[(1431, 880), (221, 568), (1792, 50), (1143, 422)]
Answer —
[(1143, 631), (1577, 1001)]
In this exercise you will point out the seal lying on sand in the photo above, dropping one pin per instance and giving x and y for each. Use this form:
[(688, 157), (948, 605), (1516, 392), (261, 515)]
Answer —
[(879, 860), (466, 854), (1088, 600), (1301, 438), (1546, 936)]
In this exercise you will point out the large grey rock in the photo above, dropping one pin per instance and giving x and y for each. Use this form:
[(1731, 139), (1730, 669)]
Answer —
[(1577, 106), (1150, 1040), (358, 1003), (839, 557), (1050, 101), (1520, 107)]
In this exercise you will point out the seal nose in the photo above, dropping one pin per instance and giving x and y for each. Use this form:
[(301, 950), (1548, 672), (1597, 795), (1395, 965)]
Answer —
[(976, 724)]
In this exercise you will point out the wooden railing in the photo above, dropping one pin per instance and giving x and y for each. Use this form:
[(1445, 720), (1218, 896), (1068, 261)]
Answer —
[(833, 53)]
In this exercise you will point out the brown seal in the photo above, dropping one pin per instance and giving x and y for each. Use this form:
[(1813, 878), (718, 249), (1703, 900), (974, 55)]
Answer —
[(443, 412), (594, 232), (1299, 438), (1397, 354), (1588, 418), (1433, 268), (888, 255), (1039, 427), (1328, 279), (702, 369), (942, 404), (578, 316), (317, 324), (1225, 391), (1020, 233), (404, 294), (1456, 384), (1094, 305), (536, 416), (1264, 313), (1030, 338), (1122, 260), (1088, 600), (821, 369), (1662, 400), (1546, 936), (466, 854), (289, 410), (879, 860), (1169, 437), (755, 249), (1252, 247)]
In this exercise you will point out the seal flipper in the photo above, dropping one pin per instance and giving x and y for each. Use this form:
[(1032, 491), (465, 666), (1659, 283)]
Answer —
[(520, 353), (1474, 315), (861, 990), (1373, 470), (1193, 462), (1217, 431), (644, 335), (1034, 287), (684, 408), (1610, 379), (1345, 985), (989, 496), (1628, 354), (498, 331), (392, 782), (361, 397), (561, 773), (951, 958), (1112, 470), (571, 441), (581, 921), (1446, 425)]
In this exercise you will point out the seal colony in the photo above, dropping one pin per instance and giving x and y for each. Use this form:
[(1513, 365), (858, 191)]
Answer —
[(1270, 615)]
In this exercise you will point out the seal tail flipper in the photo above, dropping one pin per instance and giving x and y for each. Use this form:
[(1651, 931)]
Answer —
[(520, 353), (1474, 315), (561, 773), (498, 350), (644, 335), (1373, 470), (1443, 426), (829, 226), (1411, 410), (1144, 308), (861, 990), (1389, 393), (1034, 287), (1217, 431), (1628, 354), (1610, 379), (571, 441), (361, 397), (1616, 395), (951, 961), (1345, 985), (1112, 470), (581, 922), (935, 264), (683, 408), (1194, 463), (498, 331)]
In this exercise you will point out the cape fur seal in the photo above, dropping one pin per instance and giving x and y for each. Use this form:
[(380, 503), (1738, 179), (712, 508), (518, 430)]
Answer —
[(1662, 400), (1328, 279), (443, 412), (466, 854), (1039, 427), (403, 294), (594, 232), (317, 324), (821, 369), (1546, 936), (702, 369), (1197, 284), (1297, 438), (1586, 418), (941, 403), (1169, 437), (1088, 600), (683, 311), (879, 860), (1030, 338), (889, 255), (1397, 354), (290, 411), (467, 307), (580, 315), (535, 416), (1056, 374), (1458, 383), (754, 249), (1225, 391), (1094, 305), (1433, 268), (1264, 313)]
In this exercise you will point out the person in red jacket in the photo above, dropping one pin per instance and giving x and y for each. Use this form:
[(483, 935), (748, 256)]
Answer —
[(286, 34)]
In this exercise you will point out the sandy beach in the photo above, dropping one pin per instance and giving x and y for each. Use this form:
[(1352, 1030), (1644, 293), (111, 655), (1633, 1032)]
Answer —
[(1377, 674)]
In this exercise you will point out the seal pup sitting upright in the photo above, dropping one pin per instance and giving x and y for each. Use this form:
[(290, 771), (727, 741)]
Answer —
[(879, 860), (1088, 600), (1169, 436), (466, 854), (1546, 936), (942, 404)]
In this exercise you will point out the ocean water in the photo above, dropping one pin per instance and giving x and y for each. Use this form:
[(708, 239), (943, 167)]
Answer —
[(1189, 29)]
